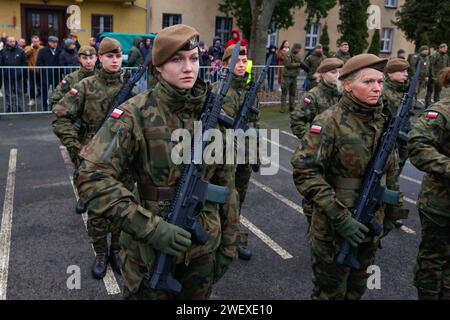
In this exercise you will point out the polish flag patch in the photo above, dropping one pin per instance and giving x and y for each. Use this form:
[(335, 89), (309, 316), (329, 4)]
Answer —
[(73, 91), (307, 101), (116, 113), (63, 82), (431, 115), (315, 129)]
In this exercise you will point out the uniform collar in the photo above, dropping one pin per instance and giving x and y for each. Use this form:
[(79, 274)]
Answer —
[(109, 77), (361, 110), (327, 88), (182, 101), (395, 85)]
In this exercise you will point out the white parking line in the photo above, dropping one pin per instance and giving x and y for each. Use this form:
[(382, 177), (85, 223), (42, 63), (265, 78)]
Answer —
[(409, 200), (266, 239), (286, 201), (288, 134), (112, 287), (5, 229)]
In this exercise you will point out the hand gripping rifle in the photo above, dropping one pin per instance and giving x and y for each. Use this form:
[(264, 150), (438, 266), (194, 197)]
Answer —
[(192, 190), (372, 193)]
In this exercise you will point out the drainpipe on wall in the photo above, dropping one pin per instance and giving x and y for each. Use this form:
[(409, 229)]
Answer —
[(147, 26)]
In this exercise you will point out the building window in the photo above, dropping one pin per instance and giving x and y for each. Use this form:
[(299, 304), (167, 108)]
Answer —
[(223, 28), (101, 23), (390, 3), (386, 40), (312, 36), (170, 19), (272, 37)]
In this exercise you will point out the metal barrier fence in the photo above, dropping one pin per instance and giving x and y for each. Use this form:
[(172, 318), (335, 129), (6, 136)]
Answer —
[(25, 90)]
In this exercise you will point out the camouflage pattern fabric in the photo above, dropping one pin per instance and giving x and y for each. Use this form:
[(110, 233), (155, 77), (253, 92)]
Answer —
[(438, 61), (292, 65), (313, 62), (392, 94), (138, 136), (429, 150), (330, 161), (68, 82), (343, 56)]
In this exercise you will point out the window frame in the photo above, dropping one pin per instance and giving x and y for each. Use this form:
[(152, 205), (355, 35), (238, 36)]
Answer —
[(383, 40), (94, 15), (223, 34), (312, 36), (388, 4), (172, 15)]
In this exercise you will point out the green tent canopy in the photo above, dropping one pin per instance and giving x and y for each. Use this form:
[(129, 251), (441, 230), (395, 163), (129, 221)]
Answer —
[(126, 39)]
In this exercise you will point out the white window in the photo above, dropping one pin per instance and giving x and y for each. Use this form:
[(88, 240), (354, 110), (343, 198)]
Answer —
[(272, 37), (312, 36), (170, 19), (223, 28), (390, 3), (386, 39)]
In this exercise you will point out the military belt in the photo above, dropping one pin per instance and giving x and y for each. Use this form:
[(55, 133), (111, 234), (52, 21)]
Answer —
[(350, 183), (153, 193)]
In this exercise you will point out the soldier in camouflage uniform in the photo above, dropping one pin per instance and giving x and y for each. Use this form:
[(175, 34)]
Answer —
[(424, 60), (313, 62), (329, 166), (87, 56), (429, 151), (231, 106), (292, 65), (317, 100), (87, 102), (438, 61), (343, 52), (137, 135)]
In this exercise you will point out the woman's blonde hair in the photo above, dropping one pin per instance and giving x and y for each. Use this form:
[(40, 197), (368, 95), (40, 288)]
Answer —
[(351, 77), (444, 77)]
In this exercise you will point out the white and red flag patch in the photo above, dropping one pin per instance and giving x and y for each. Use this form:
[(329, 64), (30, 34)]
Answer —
[(307, 101), (315, 128), (63, 82), (431, 115), (116, 113), (73, 91)]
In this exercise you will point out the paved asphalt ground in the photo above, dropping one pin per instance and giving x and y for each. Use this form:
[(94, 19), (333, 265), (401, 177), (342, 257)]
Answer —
[(47, 236)]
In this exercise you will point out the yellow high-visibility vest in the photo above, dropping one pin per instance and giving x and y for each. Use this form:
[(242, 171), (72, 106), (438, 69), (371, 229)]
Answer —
[(249, 70)]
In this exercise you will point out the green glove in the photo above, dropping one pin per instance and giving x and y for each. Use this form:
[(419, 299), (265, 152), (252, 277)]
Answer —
[(388, 225), (169, 238), (351, 230), (221, 265)]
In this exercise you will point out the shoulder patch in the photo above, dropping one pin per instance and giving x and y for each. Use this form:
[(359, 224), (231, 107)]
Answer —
[(117, 113), (431, 115), (63, 83), (73, 91), (307, 100), (315, 128)]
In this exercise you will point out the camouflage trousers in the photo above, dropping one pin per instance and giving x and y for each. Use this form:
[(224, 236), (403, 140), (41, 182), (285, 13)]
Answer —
[(242, 179), (433, 86), (196, 279), (307, 206), (420, 86), (289, 85), (98, 228), (432, 270), (332, 281)]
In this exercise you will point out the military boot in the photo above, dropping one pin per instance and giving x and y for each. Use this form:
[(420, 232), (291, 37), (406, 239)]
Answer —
[(81, 207), (114, 260), (244, 252), (99, 266)]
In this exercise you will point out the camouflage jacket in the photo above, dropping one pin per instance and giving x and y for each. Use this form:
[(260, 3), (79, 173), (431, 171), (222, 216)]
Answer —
[(292, 65), (332, 159), (235, 97), (68, 82), (88, 100), (392, 94), (429, 151), (438, 61), (424, 65), (138, 136), (316, 101), (343, 56), (313, 62)]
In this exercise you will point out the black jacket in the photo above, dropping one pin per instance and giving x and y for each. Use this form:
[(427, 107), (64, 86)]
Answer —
[(69, 59), (47, 59), (12, 57)]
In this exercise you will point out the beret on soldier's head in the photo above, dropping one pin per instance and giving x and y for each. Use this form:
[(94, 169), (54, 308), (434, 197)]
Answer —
[(330, 64), (87, 51), (362, 61), (318, 46), (229, 52), (396, 65), (296, 46), (109, 45), (171, 40), (423, 48)]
